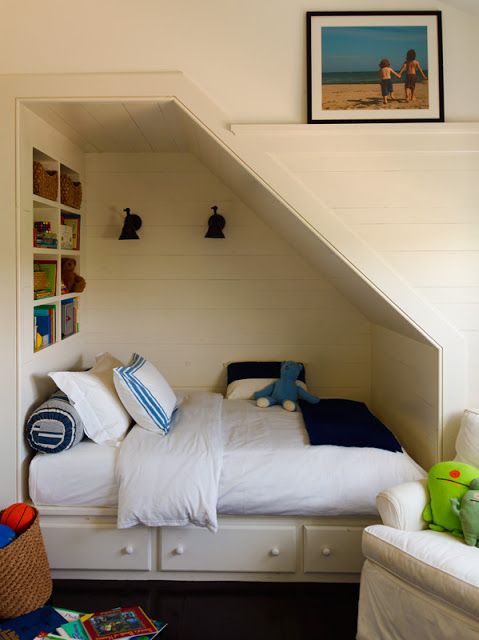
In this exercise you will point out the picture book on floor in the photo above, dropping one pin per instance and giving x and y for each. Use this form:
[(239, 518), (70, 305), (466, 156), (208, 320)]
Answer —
[(55, 623), (120, 623)]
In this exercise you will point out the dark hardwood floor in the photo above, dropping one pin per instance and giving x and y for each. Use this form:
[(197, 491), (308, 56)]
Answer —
[(225, 610)]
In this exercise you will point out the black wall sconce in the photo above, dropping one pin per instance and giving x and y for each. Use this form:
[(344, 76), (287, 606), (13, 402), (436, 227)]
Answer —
[(216, 224), (130, 226)]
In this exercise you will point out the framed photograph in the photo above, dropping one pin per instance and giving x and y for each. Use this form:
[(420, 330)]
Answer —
[(371, 66)]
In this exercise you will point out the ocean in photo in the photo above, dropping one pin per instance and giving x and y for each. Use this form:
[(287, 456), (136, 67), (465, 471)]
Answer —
[(359, 77)]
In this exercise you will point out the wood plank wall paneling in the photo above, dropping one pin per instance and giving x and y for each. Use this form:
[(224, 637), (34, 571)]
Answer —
[(404, 392), (192, 304), (417, 209)]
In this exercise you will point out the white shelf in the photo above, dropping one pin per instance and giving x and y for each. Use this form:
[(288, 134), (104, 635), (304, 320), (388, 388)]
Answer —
[(68, 209), (41, 301), (55, 204), (54, 299), (45, 251), (67, 296), (45, 202)]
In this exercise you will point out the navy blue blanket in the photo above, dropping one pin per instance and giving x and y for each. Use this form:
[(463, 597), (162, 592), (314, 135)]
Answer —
[(346, 423)]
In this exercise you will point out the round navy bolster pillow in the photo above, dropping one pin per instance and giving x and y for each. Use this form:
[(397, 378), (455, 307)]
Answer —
[(54, 426)]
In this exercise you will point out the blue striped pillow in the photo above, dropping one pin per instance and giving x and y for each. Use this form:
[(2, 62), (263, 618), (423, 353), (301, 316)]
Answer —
[(145, 394), (54, 426)]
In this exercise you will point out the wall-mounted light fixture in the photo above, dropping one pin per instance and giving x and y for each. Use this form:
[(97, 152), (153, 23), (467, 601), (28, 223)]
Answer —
[(216, 224), (130, 226)]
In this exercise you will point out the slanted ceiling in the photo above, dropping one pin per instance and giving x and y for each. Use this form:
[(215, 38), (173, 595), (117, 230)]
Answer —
[(163, 126), (116, 127)]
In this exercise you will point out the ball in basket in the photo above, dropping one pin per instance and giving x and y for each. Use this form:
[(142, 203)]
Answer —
[(18, 516), (7, 534)]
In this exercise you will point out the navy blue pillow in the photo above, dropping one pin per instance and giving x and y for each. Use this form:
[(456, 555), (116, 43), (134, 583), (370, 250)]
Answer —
[(346, 423), (54, 426), (245, 370)]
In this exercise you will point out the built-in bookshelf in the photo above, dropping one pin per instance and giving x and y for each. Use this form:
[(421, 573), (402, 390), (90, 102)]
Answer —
[(56, 235)]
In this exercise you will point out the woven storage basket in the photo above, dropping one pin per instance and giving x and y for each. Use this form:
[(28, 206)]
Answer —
[(25, 580), (45, 183), (76, 195), (70, 192)]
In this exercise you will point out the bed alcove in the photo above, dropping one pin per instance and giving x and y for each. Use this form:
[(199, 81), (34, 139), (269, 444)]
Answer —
[(378, 341)]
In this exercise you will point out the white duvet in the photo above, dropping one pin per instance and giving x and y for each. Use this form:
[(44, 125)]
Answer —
[(269, 468), (173, 480), (221, 456)]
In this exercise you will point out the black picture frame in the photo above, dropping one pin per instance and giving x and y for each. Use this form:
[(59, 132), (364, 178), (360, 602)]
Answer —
[(341, 48)]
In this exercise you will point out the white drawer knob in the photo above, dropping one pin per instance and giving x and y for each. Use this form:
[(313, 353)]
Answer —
[(275, 551), (128, 549), (180, 550), (325, 551)]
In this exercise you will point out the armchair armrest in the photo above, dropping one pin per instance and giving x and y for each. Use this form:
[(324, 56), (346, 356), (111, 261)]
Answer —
[(401, 507)]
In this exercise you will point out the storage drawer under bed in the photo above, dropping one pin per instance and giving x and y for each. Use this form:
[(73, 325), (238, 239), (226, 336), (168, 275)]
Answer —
[(332, 549), (96, 545), (233, 548)]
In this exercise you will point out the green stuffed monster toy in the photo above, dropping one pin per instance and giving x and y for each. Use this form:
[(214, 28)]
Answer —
[(467, 510), (446, 481)]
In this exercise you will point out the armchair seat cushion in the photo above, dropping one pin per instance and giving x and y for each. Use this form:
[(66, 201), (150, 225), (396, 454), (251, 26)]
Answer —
[(437, 563)]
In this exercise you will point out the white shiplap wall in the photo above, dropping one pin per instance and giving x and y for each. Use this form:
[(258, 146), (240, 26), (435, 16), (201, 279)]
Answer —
[(191, 304), (413, 198), (405, 390)]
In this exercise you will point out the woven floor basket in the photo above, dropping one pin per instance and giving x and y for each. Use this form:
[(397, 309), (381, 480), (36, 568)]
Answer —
[(25, 580)]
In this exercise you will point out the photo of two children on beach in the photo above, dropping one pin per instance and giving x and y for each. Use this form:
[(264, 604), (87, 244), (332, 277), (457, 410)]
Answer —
[(374, 68)]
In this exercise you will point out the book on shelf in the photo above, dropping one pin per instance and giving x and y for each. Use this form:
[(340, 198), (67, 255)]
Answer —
[(72, 220), (66, 236), (44, 326), (69, 317), (43, 236), (44, 278)]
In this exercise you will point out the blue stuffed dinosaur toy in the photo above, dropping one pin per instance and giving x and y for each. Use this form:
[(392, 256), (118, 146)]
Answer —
[(286, 390)]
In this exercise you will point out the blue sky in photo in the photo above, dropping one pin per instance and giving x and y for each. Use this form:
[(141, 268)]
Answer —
[(361, 48)]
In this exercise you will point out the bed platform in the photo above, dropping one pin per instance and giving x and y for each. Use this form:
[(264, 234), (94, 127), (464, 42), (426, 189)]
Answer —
[(85, 544)]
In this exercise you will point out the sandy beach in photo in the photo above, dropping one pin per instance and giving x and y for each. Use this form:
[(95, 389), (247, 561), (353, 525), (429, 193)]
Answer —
[(368, 96)]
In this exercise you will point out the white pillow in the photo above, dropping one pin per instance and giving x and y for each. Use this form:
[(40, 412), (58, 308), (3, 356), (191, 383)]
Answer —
[(467, 442), (94, 397), (146, 394), (244, 389)]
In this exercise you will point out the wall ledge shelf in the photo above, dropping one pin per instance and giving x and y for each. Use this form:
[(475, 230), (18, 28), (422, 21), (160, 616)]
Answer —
[(351, 128)]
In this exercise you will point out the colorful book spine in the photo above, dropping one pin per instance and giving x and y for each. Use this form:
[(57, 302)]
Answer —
[(44, 326)]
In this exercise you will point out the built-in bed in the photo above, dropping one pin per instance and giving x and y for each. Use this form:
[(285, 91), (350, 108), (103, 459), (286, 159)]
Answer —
[(286, 509)]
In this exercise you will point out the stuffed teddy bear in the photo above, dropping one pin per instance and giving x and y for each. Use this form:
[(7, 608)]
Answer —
[(286, 390), (446, 481), (467, 510), (72, 282)]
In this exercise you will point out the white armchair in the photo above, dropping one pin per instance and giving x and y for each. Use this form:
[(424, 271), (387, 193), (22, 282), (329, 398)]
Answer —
[(418, 583)]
